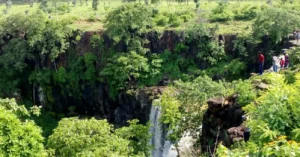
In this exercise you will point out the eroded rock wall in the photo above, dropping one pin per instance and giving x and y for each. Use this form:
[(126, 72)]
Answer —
[(222, 122)]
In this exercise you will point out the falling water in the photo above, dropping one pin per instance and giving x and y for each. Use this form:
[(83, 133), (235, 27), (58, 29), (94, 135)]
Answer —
[(162, 146)]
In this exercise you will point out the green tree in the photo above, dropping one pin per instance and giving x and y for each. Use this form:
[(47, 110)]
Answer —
[(19, 135), (208, 48), (245, 91), (273, 119), (183, 106), (33, 38), (8, 4), (74, 2), (91, 137), (31, 3), (95, 4), (274, 23), (154, 1), (127, 23), (124, 69), (139, 137)]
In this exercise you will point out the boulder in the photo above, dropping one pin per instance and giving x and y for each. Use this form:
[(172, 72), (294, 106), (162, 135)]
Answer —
[(221, 121), (236, 133), (262, 86), (257, 81)]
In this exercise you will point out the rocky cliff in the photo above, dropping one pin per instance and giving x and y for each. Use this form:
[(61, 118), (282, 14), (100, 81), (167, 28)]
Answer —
[(222, 122)]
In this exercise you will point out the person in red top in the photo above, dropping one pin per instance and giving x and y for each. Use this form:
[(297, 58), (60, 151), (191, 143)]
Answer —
[(261, 60), (281, 63)]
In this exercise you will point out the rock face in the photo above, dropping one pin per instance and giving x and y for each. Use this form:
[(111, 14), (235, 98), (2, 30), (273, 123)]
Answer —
[(96, 102), (221, 123)]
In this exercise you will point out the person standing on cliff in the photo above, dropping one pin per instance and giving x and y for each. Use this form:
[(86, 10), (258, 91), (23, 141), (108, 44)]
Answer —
[(261, 60), (286, 59), (275, 62)]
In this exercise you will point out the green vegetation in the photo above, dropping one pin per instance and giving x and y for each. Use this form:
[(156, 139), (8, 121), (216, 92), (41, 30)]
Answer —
[(46, 60), (273, 121), (19, 135), (75, 137), (183, 106), (171, 14)]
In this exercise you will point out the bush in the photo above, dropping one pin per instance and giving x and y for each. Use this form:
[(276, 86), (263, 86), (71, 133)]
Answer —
[(247, 12), (221, 13), (245, 91), (91, 137), (124, 69), (229, 71), (273, 119), (175, 21), (289, 76), (19, 137), (46, 6), (63, 8), (74, 137), (294, 57), (161, 20), (186, 17), (276, 23), (92, 18)]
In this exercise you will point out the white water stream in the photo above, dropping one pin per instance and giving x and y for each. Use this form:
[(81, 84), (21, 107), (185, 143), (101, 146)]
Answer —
[(162, 146)]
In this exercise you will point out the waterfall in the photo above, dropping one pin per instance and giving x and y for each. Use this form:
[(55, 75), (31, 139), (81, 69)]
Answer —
[(162, 146)]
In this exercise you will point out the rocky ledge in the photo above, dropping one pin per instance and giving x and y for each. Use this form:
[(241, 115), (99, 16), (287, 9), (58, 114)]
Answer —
[(222, 122)]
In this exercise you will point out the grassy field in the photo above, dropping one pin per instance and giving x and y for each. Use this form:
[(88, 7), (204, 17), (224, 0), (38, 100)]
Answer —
[(86, 19)]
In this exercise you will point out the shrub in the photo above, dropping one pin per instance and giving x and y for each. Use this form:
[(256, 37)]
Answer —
[(92, 17), (188, 100), (19, 137), (294, 57), (229, 71), (124, 68), (221, 13), (89, 137), (247, 12), (245, 91), (276, 23), (63, 8), (96, 41), (186, 17), (161, 20), (175, 21)]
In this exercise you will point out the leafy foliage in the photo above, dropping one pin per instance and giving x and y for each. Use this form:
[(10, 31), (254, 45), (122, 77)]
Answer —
[(26, 41), (246, 12), (221, 13), (126, 23), (75, 137), (19, 137), (229, 71), (173, 19), (278, 147), (170, 108), (245, 91), (183, 107), (294, 57), (273, 120), (276, 23), (123, 68), (138, 135), (95, 4), (209, 50)]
